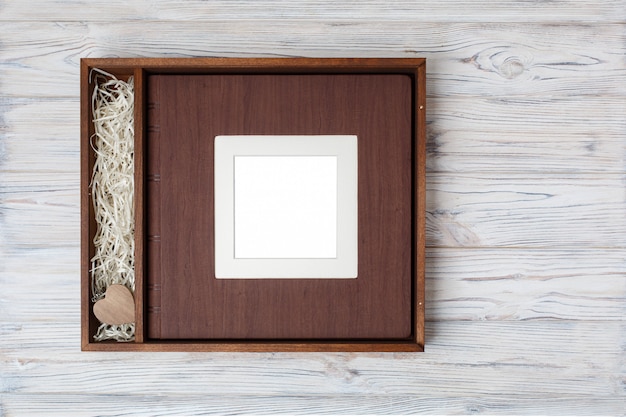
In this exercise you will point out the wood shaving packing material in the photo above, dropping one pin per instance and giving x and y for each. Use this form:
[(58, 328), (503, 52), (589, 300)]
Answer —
[(112, 189)]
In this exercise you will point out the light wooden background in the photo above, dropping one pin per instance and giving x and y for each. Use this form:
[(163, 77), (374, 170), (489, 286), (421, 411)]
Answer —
[(526, 273)]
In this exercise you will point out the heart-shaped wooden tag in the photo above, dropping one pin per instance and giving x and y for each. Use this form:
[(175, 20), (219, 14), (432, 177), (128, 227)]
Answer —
[(117, 306)]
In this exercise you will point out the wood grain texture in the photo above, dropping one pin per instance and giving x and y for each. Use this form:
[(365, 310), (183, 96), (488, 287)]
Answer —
[(560, 135), (117, 306), (377, 109), (387, 11), (462, 284), (537, 134), (529, 284), (465, 59), (460, 358), (532, 210), (140, 192), (462, 211), (526, 169), (157, 405)]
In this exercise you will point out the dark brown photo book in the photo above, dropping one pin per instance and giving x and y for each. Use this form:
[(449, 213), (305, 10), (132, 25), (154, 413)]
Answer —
[(185, 114)]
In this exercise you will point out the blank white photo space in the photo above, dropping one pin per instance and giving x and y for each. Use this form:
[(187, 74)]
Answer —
[(285, 207)]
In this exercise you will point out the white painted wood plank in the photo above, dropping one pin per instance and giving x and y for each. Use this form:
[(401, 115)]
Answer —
[(40, 216), (40, 178), (532, 210), (501, 60), (41, 284), (564, 135), (544, 134), (462, 284), (44, 120), (513, 150), (317, 10), (513, 284), (525, 359), (566, 211), (526, 150), (538, 211), (69, 405)]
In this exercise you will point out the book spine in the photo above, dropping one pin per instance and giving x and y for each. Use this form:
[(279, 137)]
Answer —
[(154, 208)]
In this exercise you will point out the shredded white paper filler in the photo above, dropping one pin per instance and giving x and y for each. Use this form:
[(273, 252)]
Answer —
[(112, 189)]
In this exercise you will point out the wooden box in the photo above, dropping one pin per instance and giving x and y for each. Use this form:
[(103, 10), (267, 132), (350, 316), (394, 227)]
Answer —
[(180, 105)]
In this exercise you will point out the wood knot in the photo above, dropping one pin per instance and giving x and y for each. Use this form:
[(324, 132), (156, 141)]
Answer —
[(512, 67), (507, 62)]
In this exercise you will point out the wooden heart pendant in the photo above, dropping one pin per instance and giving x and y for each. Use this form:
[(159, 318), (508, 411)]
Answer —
[(117, 306)]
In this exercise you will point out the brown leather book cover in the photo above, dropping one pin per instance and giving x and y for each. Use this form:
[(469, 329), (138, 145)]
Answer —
[(185, 113)]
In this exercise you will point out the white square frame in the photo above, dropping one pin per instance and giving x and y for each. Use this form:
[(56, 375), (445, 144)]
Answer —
[(345, 148)]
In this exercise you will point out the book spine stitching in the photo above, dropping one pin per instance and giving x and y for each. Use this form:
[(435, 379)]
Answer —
[(154, 209)]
